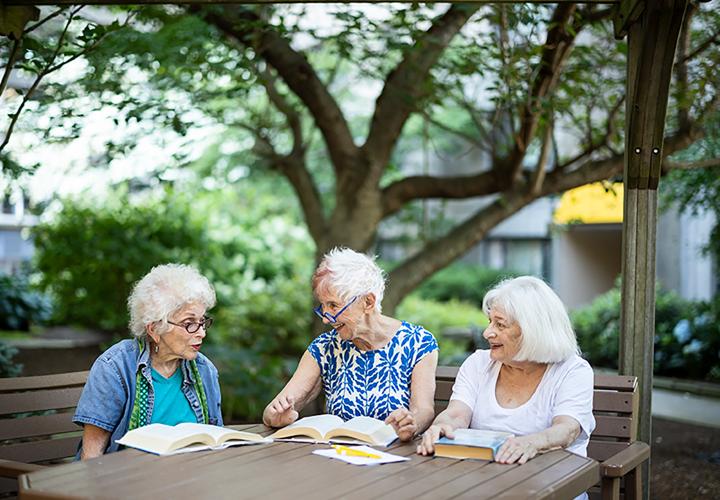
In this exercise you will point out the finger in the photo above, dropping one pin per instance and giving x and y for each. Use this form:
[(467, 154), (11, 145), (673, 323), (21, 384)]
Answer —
[(447, 431)]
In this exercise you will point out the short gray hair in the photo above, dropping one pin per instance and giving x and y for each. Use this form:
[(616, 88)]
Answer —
[(164, 290), (350, 273), (547, 335)]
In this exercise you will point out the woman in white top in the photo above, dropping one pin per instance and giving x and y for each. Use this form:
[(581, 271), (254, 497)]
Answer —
[(531, 382)]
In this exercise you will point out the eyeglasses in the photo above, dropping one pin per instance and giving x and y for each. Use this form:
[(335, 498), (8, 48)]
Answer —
[(191, 328), (332, 318)]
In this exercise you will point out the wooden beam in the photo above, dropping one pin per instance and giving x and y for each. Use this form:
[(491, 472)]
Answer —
[(652, 40), (250, 2)]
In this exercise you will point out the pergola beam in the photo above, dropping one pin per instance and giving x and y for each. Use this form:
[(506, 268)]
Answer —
[(251, 2), (653, 28)]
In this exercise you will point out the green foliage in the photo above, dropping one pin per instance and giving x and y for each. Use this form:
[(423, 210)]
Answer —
[(699, 189), (437, 317), (244, 238), (462, 282), (687, 335), (8, 368), (90, 256), (20, 304)]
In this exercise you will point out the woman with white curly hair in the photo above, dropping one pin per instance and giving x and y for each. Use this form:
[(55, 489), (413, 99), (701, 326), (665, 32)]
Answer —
[(160, 375), (369, 364)]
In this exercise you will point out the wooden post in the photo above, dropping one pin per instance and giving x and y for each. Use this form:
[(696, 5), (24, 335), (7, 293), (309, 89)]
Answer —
[(653, 30)]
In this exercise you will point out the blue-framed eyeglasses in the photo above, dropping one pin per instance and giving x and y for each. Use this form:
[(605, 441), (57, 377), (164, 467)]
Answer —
[(330, 317)]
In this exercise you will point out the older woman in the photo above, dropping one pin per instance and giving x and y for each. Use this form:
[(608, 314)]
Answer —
[(369, 364), (160, 375), (531, 381)]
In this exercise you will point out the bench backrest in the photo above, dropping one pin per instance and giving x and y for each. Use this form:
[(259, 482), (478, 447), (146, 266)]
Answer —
[(615, 404), (36, 417)]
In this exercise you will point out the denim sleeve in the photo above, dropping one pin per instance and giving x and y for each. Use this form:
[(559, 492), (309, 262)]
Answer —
[(104, 396), (212, 388)]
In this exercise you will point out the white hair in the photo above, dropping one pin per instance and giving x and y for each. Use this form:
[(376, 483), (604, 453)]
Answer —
[(164, 290), (547, 335), (350, 274)]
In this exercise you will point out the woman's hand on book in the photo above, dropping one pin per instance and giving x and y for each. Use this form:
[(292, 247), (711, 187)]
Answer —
[(281, 412), (432, 434), (403, 421), (519, 449)]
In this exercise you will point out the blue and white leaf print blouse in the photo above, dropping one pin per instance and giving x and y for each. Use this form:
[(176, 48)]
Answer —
[(370, 383)]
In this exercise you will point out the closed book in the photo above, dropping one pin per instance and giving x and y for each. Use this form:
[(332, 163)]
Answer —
[(471, 443)]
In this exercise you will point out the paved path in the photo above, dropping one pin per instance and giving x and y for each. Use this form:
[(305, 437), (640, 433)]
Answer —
[(686, 407)]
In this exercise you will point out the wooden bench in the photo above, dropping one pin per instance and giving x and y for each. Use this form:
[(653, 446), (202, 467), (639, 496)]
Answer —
[(36, 423), (613, 443)]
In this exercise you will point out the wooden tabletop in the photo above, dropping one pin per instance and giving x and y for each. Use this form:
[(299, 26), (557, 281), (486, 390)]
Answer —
[(289, 470)]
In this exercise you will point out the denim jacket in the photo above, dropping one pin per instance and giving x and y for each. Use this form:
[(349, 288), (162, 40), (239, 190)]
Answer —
[(108, 397)]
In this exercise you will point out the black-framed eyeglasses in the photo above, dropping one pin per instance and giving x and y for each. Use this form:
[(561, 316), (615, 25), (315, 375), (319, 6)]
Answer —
[(191, 328), (330, 317)]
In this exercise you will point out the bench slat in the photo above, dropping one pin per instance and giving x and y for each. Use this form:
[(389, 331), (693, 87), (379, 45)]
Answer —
[(45, 381), (42, 451), (610, 426), (615, 382), (620, 402), (602, 450), (52, 399), (37, 425)]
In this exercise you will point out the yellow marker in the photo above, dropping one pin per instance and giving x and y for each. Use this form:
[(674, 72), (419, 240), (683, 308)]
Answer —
[(354, 452)]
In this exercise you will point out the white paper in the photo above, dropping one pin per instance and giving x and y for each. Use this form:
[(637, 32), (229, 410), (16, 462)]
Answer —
[(385, 458)]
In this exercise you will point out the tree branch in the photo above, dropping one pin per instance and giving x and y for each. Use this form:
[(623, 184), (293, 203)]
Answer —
[(37, 80), (247, 28), (459, 133), (14, 51), (292, 166), (419, 187), (556, 49), (669, 165), (405, 85), (291, 115)]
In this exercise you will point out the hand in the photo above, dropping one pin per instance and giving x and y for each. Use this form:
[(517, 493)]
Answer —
[(403, 421), (518, 449), (281, 412), (431, 435)]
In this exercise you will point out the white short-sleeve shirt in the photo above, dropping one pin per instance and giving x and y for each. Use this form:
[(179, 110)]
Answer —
[(565, 389)]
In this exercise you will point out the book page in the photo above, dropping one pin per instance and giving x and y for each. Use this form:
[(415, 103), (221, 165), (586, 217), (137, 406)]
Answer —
[(221, 434), (316, 427), (161, 439), (367, 429)]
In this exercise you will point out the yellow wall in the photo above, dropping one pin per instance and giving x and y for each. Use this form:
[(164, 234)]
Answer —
[(597, 203)]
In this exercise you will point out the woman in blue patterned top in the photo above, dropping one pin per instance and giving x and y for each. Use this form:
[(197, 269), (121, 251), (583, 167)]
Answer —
[(369, 364)]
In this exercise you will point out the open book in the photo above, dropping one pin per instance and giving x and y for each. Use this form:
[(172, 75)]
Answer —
[(167, 439), (330, 428), (471, 443)]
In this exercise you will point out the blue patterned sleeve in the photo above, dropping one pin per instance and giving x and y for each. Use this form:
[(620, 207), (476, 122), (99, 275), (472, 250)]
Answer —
[(425, 343), (318, 349)]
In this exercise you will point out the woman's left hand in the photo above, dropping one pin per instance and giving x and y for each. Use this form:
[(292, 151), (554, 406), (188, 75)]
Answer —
[(518, 449), (403, 421)]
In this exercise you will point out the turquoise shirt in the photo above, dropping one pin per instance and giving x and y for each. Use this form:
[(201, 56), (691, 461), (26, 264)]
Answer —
[(171, 406)]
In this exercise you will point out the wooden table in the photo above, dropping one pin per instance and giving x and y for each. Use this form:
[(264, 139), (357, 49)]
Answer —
[(289, 470)]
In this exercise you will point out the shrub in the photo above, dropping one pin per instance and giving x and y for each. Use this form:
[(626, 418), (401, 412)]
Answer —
[(8, 368), (437, 317), (687, 335), (462, 282), (20, 304), (90, 256), (247, 243)]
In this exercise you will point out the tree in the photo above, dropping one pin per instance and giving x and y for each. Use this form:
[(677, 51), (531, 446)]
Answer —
[(512, 78)]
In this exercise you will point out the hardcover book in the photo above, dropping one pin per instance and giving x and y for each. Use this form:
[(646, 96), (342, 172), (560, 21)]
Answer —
[(330, 428), (471, 443), (182, 438)]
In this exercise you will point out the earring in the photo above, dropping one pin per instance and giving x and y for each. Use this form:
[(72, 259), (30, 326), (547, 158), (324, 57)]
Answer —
[(156, 348)]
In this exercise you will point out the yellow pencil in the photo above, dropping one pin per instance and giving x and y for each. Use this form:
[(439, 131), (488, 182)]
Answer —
[(354, 452)]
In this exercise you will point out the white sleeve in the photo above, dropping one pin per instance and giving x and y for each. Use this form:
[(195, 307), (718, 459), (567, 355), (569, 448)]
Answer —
[(574, 396), (467, 384)]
